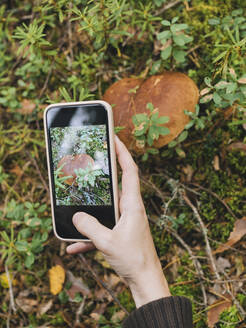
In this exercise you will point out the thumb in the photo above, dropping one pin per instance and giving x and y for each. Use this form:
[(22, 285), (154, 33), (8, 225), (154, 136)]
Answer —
[(90, 227)]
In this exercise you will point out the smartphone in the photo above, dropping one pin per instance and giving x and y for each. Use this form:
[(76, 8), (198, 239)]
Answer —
[(81, 164)]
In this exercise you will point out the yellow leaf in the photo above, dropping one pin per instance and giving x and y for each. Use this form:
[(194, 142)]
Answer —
[(4, 280), (57, 278), (100, 258)]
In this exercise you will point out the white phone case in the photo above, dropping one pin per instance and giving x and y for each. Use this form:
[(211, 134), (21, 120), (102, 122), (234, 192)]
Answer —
[(112, 158)]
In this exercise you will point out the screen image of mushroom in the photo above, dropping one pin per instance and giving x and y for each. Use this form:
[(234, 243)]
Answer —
[(70, 163)]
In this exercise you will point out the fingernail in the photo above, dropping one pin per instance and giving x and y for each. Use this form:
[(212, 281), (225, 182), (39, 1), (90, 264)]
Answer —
[(77, 216)]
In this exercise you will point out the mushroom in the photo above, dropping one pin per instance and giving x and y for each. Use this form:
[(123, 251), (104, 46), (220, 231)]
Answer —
[(170, 92), (70, 163), (121, 96)]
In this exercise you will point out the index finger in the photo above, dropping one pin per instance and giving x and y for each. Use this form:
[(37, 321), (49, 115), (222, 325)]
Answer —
[(130, 179)]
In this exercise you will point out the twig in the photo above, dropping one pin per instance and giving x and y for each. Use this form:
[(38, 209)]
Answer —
[(204, 231), (166, 7), (46, 81), (196, 263), (101, 283), (11, 294), (216, 196), (39, 172), (80, 311), (70, 47), (194, 259)]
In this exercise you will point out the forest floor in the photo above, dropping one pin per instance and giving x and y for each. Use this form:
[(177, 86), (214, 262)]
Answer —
[(194, 190)]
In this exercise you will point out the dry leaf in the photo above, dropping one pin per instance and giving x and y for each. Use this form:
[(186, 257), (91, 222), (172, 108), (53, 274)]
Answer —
[(4, 282), (27, 107), (238, 232), (222, 264), (242, 80), (216, 163), (57, 278), (188, 170), (27, 305), (216, 309), (78, 286), (100, 258), (205, 91), (43, 308), (237, 145), (118, 316)]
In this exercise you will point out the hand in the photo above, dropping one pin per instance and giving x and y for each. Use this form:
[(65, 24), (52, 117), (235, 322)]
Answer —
[(129, 246)]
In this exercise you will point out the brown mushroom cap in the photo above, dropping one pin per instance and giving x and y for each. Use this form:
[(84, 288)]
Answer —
[(71, 163), (122, 102), (170, 92)]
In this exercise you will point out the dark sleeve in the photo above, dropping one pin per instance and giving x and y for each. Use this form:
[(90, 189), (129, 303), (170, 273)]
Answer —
[(167, 312)]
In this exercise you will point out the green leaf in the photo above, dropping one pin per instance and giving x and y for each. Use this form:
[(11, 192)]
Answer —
[(221, 55), (183, 136), (172, 144), (165, 22), (166, 52), (175, 19), (179, 39), (178, 27), (154, 117), (179, 55), (163, 120), (231, 87), (140, 129), (207, 81), (22, 246), (214, 21), (162, 130), (164, 35), (216, 98), (145, 157), (154, 132), (139, 118), (29, 260), (153, 151), (150, 106), (180, 152)]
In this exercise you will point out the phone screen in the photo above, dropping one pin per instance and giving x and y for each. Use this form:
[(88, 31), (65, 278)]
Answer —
[(80, 165)]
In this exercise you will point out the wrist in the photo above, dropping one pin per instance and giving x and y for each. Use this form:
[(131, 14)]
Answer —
[(149, 285)]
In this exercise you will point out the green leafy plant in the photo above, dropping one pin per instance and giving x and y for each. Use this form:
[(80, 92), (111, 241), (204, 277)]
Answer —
[(148, 126), (87, 177), (32, 232), (230, 45), (59, 181), (32, 39), (174, 39), (225, 92)]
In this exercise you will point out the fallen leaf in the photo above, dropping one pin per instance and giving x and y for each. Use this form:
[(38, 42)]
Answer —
[(100, 258), (216, 163), (44, 307), (4, 282), (78, 286), (205, 91), (118, 316), (238, 232), (57, 278), (216, 309), (242, 80), (26, 304), (188, 171), (237, 145), (27, 107), (112, 280), (222, 264)]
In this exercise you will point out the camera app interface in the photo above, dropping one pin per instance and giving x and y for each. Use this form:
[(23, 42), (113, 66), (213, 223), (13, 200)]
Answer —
[(80, 164)]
